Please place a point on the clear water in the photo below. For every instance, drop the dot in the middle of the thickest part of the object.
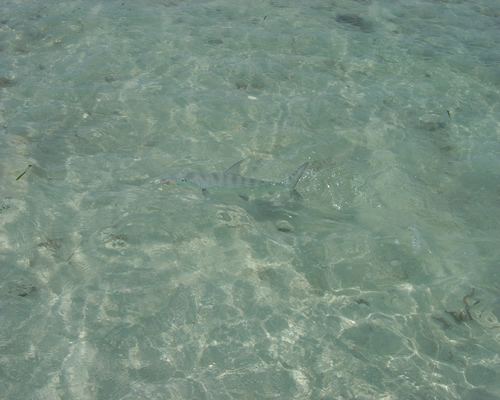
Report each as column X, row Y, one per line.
column 382, row 283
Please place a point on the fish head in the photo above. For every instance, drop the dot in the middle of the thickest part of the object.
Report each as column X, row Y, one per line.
column 187, row 180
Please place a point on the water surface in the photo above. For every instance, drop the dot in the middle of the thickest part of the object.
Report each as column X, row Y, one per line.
column 383, row 282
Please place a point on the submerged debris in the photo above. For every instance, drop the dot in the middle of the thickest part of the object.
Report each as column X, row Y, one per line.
column 467, row 308
column 445, row 324
column 26, row 170
column 50, row 244
column 459, row 316
column 362, row 301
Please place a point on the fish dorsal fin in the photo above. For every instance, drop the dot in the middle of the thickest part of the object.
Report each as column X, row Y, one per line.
column 235, row 169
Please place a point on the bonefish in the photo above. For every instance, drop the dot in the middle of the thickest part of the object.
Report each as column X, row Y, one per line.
column 231, row 179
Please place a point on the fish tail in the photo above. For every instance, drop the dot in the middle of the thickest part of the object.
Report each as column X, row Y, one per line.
column 292, row 181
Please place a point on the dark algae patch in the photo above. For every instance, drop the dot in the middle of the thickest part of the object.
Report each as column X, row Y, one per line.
column 5, row 82
column 18, row 289
column 354, row 21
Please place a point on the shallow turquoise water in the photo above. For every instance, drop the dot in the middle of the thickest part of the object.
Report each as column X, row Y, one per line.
column 115, row 286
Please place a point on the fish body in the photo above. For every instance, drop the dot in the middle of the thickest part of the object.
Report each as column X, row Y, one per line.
column 231, row 179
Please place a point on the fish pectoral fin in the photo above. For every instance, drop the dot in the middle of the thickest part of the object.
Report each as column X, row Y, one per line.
column 235, row 169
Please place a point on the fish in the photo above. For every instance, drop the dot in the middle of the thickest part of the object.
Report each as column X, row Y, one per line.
column 232, row 180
